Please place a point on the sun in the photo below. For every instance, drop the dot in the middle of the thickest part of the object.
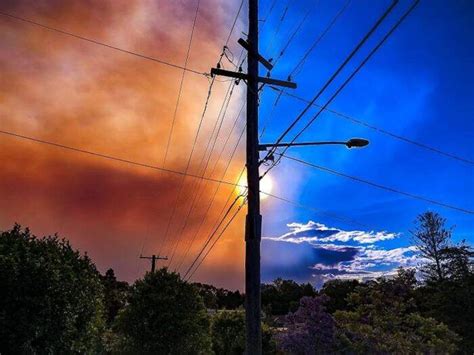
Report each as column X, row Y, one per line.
column 266, row 186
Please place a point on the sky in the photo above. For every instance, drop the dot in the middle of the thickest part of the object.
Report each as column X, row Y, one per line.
column 61, row 89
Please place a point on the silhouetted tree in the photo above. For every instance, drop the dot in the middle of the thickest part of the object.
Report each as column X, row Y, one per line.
column 338, row 290
column 50, row 296
column 165, row 315
column 115, row 295
column 431, row 237
column 385, row 320
column 228, row 332
column 283, row 296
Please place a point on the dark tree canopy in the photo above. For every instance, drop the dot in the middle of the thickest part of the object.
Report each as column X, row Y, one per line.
column 50, row 296
column 165, row 315
column 115, row 295
column 283, row 296
column 385, row 320
column 219, row 298
column 338, row 291
column 228, row 332
column 431, row 238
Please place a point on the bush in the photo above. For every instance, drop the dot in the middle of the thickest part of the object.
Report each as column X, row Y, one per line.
column 165, row 315
column 50, row 296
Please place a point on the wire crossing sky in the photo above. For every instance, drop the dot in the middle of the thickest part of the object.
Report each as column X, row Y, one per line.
column 72, row 78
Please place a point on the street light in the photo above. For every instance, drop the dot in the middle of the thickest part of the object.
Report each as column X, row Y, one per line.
column 351, row 143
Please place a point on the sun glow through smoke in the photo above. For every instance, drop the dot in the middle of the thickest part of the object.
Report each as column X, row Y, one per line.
column 266, row 186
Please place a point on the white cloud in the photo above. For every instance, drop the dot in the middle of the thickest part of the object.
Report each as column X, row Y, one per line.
column 349, row 254
column 313, row 232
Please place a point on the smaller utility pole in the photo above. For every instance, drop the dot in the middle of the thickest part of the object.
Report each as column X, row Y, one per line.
column 153, row 259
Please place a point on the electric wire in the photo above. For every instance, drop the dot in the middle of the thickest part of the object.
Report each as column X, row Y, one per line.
column 377, row 185
column 212, row 200
column 200, row 124
column 217, row 239
column 90, row 40
column 220, row 121
column 334, row 75
column 212, row 234
column 378, row 129
column 113, row 158
column 300, row 64
column 144, row 165
column 294, row 33
column 222, row 115
column 180, row 90
column 344, row 84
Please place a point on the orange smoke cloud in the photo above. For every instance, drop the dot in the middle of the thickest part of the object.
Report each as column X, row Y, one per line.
column 58, row 88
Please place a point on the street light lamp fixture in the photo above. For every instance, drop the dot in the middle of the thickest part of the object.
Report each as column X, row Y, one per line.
column 351, row 143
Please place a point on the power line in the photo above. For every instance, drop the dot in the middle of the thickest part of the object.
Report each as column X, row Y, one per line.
column 222, row 114
column 217, row 239
column 211, row 202
column 319, row 38
column 280, row 22
column 344, row 84
column 234, row 23
column 313, row 46
column 336, row 73
column 211, row 235
column 144, row 165
column 293, row 35
column 202, row 117
column 110, row 157
column 170, row 135
column 90, row 40
column 379, row 186
column 225, row 106
column 377, row 129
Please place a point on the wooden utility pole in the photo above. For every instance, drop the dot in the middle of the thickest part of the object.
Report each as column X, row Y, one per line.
column 253, row 223
column 153, row 259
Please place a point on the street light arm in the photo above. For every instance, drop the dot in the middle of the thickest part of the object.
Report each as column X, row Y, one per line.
column 351, row 143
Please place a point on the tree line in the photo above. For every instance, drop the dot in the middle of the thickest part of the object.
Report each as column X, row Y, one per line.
column 54, row 300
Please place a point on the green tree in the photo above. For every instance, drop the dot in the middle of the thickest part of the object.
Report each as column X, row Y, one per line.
column 431, row 238
column 228, row 334
column 115, row 295
column 283, row 296
column 337, row 291
column 451, row 300
column 165, row 315
column 384, row 319
column 50, row 296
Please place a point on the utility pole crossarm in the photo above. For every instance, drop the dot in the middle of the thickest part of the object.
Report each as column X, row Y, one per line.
column 153, row 259
column 261, row 79
column 261, row 59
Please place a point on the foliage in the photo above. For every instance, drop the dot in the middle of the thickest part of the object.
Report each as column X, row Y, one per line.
column 115, row 295
column 219, row 298
column 448, row 292
column 50, row 296
column 228, row 332
column 165, row 315
column 310, row 330
column 384, row 320
column 337, row 291
column 431, row 237
column 451, row 300
column 283, row 296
